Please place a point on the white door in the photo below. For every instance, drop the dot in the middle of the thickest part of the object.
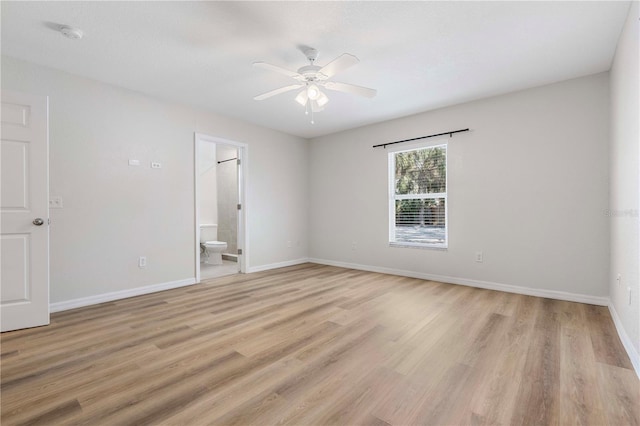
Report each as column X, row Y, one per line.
column 24, row 206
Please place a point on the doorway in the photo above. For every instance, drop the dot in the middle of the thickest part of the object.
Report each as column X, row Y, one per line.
column 220, row 210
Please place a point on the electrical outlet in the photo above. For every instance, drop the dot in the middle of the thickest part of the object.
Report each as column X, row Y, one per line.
column 619, row 279
column 479, row 257
column 156, row 165
column 142, row 262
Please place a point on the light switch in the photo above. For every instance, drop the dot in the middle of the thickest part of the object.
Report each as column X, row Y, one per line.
column 55, row 203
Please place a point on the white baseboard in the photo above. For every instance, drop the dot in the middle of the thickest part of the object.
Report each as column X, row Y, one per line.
column 550, row 294
column 277, row 265
column 626, row 341
column 138, row 291
column 116, row 295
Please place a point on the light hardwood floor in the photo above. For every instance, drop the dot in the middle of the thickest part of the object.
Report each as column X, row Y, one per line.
column 312, row 345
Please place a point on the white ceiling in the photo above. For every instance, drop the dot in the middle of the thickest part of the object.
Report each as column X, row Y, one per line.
column 418, row 55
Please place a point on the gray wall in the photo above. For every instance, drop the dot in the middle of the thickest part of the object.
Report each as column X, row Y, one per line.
column 528, row 186
column 625, row 175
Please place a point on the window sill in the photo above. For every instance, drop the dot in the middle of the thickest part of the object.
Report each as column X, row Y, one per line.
column 441, row 247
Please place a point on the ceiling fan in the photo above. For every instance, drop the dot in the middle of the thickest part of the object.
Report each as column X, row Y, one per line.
column 312, row 78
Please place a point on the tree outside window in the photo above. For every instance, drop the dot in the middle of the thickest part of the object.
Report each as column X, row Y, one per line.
column 419, row 211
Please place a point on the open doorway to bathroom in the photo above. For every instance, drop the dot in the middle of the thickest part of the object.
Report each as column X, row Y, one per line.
column 219, row 204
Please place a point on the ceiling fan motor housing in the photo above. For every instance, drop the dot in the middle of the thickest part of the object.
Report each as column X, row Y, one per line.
column 310, row 73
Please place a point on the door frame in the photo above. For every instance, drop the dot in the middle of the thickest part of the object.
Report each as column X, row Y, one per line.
column 243, row 240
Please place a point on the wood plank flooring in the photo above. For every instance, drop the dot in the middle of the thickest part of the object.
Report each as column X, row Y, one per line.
column 319, row 345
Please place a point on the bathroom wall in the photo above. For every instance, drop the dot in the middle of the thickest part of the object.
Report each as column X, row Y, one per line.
column 227, row 181
column 208, row 189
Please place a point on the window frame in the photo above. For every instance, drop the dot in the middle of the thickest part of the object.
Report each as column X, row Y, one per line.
column 393, row 197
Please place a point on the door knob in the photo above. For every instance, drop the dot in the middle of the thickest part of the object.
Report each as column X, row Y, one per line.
column 38, row 221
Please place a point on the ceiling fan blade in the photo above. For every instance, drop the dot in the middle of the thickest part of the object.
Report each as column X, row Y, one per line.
column 277, row 91
column 351, row 88
column 277, row 69
column 341, row 63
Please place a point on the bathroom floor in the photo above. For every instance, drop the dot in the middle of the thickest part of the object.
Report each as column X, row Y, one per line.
column 213, row 271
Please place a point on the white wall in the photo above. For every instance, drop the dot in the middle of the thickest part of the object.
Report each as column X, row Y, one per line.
column 208, row 185
column 114, row 213
column 528, row 186
column 625, row 173
column 227, row 177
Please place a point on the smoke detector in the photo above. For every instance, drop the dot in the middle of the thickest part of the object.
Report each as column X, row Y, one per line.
column 70, row 32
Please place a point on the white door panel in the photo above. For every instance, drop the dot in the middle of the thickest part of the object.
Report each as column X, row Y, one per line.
column 24, row 194
column 15, row 185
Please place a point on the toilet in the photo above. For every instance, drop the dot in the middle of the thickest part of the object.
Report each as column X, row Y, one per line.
column 213, row 249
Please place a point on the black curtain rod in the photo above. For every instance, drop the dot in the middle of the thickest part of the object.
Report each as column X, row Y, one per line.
column 384, row 145
column 230, row 159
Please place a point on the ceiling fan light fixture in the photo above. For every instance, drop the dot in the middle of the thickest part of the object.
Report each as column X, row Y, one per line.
column 313, row 92
column 322, row 100
column 302, row 97
column 315, row 106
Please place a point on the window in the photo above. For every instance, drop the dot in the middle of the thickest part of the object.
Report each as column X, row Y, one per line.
column 418, row 197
